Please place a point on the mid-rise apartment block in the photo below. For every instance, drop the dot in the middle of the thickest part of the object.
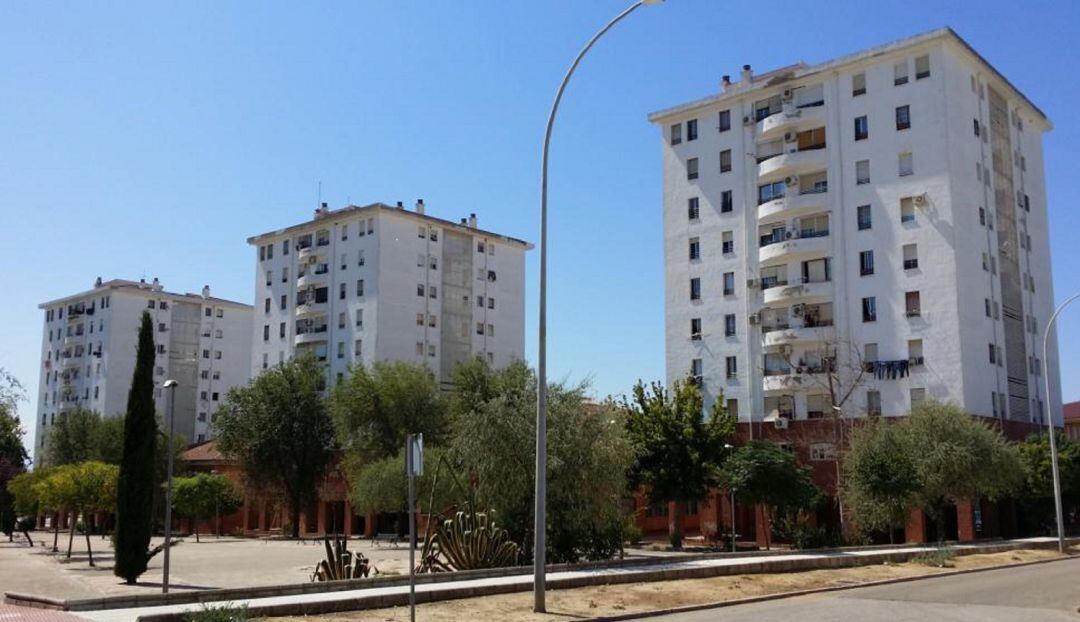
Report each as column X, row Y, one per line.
column 877, row 222
column 88, row 353
column 362, row 284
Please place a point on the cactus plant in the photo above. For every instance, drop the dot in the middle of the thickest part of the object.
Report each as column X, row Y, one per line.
column 467, row 541
column 340, row 563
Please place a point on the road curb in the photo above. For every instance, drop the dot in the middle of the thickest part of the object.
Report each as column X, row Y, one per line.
column 818, row 590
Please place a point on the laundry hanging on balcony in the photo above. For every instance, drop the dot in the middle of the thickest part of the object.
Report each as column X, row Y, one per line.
column 890, row 370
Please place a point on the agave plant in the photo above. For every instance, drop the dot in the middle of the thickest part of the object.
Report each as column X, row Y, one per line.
column 340, row 563
column 466, row 541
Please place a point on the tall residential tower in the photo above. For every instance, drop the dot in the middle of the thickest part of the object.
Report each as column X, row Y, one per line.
column 883, row 216
column 88, row 353
column 363, row 284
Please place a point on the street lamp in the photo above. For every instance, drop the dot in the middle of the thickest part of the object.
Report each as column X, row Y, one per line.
column 539, row 524
column 171, row 386
column 1050, row 424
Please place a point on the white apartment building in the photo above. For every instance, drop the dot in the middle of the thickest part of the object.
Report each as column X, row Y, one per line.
column 363, row 284
column 88, row 352
column 884, row 211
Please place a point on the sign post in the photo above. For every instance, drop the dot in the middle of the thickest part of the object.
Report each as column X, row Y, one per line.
column 414, row 465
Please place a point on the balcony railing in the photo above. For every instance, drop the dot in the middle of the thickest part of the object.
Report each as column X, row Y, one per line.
column 778, row 237
column 911, row 264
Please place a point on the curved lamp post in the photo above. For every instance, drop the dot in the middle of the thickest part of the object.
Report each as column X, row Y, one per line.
column 1050, row 425
column 169, row 385
column 540, row 522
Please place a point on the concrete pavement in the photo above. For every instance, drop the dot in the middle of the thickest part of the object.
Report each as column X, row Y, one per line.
column 1047, row 592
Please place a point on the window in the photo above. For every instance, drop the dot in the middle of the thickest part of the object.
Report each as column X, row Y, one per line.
column 862, row 128
column 869, row 309
column 912, row 306
column 903, row 117
column 281, row 334
column 269, row 280
column 345, row 232
column 360, row 287
column 911, row 256
column 866, row 263
column 821, row 451
column 360, row 257
column 726, row 202
column 357, row 348
column 344, row 259
column 725, row 160
column 858, row 84
column 342, row 318
column 695, row 329
column 862, row 172
column 918, row 396
column 873, row 403
column 982, row 216
column 905, row 164
column 729, row 283
column 285, row 274
column 695, row 288
column 922, row 67
column 676, row 133
column 262, row 253
column 432, row 293
column 724, row 122
column 692, row 168
column 693, row 211
column 341, row 349
column 479, row 326
column 729, row 325
column 691, row 130
column 865, row 220
column 695, row 249
column 150, row 303
column 870, row 353
column 266, row 306
column 421, row 232
column 697, row 370
column 284, row 301
column 769, row 192
column 420, row 290
column 900, row 73
column 731, row 367
column 907, row 210
column 987, row 306
column 727, row 243
column 266, row 337
column 419, row 319
column 285, row 247
column 341, row 291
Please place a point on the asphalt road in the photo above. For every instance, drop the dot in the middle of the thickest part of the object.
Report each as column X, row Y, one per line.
column 1048, row 592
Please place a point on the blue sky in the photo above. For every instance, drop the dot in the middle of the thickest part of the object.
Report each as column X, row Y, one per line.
column 150, row 139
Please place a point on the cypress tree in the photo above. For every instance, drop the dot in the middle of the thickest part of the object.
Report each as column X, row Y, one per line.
column 135, row 493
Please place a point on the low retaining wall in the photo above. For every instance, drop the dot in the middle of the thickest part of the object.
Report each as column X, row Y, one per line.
column 835, row 558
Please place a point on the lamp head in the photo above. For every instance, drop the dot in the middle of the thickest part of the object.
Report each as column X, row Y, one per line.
column 652, row 1
column 169, row 384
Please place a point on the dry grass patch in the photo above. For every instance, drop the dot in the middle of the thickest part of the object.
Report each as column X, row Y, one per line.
column 601, row 600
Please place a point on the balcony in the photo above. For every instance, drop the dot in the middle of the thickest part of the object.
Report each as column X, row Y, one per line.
column 784, row 165
column 313, row 276
column 776, row 336
column 803, row 245
column 311, row 309
column 305, row 253
column 782, row 293
column 791, row 119
column 782, row 382
column 311, row 334
column 893, row 369
column 70, row 340
column 795, row 204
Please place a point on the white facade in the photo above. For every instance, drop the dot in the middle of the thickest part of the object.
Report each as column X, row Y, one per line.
column 88, row 353
column 364, row 284
column 772, row 183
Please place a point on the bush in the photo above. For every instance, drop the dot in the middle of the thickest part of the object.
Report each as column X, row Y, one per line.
column 219, row 613
column 940, row 557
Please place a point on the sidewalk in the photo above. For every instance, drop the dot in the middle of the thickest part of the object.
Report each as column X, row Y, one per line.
column 697, row 566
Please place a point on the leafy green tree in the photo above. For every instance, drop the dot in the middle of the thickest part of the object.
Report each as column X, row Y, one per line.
column 1037, row 492
column 382, row 486
column 881, row 478
column 957, row 458
column 84, row 488
column 375, row 408
column 26, row 501
column 678, row 448
column 203, row 496
column 588, row 457
column 135, row 492
column 13, row 456
column 279, row 431
column 48, row 497
column 764, row 474
column 81, row 434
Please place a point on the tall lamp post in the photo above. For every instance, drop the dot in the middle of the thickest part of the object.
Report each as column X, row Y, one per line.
column 1050, row 424
column 540, row 519
column 170, row 385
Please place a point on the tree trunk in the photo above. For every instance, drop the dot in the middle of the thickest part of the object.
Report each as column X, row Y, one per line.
column 195, row 522
column 294, row 514
column 71, row 534
column 89, row 552
column 56, row 532
column 766, row 515
column 675, row 527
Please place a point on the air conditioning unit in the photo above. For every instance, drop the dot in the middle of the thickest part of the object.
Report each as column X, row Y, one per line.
column 920, row 200
column 754, row 318
column 789, row 137
column 311, row 260
column 748, row 120
column 787, row 95
column 786, row 349
column 791, row 180
column 797, row 310
column 751, row 283
column 781, row 423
